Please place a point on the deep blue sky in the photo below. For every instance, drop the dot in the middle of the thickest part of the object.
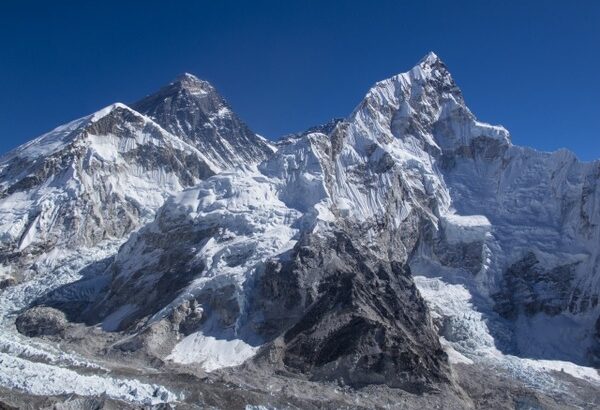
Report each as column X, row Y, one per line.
column 533, row 66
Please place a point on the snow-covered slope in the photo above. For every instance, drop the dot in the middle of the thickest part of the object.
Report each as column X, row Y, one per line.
column 303, row 258
column 94, row 179
column 71, row 197
column 426, row 184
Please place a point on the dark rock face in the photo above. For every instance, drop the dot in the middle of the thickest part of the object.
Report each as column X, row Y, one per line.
column 586, row 208
column 150, row 295
column 337, row 314
column 582, row 301
column 459, row 255
column 594, row 352
column 187, row 317
column 6, row 281
column 193, row 110
column 527, row 288
column 41, row 321
column 480, row 148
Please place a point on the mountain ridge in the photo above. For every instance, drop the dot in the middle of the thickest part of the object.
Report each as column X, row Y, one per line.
column 403, row 242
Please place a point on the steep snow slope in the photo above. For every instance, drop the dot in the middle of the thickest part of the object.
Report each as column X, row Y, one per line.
column 465, row 332
column 94, row 179
column 222, row 228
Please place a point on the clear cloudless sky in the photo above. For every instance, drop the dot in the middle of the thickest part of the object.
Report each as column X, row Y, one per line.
column 532, row 66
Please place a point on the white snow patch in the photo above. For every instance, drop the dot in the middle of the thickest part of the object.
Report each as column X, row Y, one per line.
column 587, row 373
column 42, row 379
column 211, row 353
column 454, row 356
column 461, row 228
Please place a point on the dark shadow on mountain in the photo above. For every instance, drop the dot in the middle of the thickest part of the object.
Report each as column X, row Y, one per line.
column 75, row 297
column 525, row 290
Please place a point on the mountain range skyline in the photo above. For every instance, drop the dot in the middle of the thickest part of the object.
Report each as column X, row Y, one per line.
column 285, row 67
column 299, row 205
column 190, row 79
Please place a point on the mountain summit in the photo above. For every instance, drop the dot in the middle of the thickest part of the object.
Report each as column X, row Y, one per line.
column 192, row 109
column 408, row 254
column 193, row 83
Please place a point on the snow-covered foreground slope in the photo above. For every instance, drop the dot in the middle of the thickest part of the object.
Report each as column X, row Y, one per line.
column 386, row 248
column 47, row 380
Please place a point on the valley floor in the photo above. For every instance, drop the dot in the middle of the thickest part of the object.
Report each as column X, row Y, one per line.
column 74, row 374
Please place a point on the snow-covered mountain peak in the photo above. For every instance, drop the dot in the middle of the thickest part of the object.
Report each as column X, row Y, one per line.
column 422, row 106
column 190, row 83
column 433, row 69
column 189, row 77
column 193, row 110
column 107, row 110
column 302, row 258
column 95, row 178
column 430, row 71
column 432, row 62
column 430, row 58
column 59, row 137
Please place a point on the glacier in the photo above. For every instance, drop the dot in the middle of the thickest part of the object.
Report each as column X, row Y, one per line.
column 408, row 229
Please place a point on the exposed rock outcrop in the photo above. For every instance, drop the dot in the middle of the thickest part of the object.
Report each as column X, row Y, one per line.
column 42, row 321
column 337, row 313
column 530, row 289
